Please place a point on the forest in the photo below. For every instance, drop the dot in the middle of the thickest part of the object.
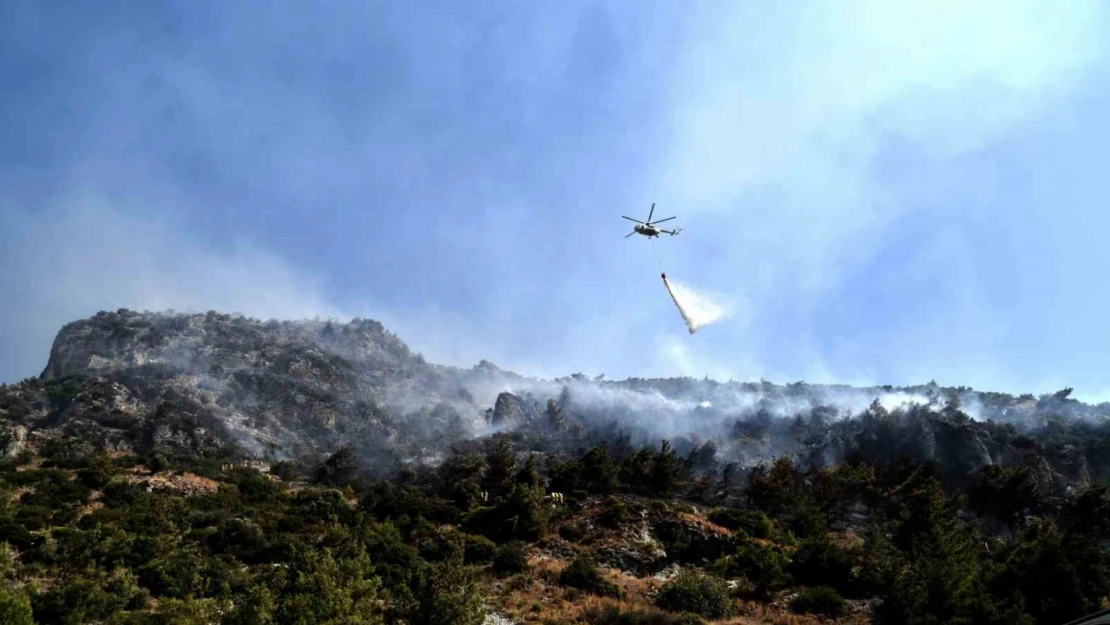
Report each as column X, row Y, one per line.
column 182, row 539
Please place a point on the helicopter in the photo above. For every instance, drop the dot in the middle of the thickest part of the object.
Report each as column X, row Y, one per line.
column 648, row 228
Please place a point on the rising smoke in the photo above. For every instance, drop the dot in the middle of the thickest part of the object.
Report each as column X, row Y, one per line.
column 330, row 384
column 697, row 309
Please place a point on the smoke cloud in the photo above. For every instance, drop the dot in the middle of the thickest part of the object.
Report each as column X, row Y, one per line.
column 697, row 309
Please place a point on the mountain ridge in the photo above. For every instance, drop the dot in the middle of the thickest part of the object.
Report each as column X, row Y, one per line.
column 277, row 390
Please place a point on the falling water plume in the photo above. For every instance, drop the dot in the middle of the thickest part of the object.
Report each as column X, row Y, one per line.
column 697, row 310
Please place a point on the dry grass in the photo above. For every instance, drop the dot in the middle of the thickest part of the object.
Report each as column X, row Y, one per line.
column 779, row 613
column 19, row 492
column 846, row 540
column 536, row 597
column 770, row 544
column 705, row 524
column 187, row 483
column 35, row 463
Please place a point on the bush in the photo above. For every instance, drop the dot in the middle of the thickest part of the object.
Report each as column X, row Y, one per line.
column 582, row 574
column 522, row 515
column 157, row 463
column 687, row 544
column 818, row 562
column 479, row 549
column 764, row 567
column 752, row 522
column 614, row 514
column 510, row 559
column 15, row 608
column 574, row 531
column 697, row 593
column 447, row 595
column 821, row 600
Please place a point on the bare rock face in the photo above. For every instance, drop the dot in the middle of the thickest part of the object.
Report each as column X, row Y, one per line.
column 515, row 409
column 16, row 440
column 638, row 552
column 508, row 408
column 138, row 381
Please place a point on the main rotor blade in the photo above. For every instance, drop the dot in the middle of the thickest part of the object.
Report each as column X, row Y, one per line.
column 659, row 221
column 630, row 234
column 652, row 212
column 635, row 220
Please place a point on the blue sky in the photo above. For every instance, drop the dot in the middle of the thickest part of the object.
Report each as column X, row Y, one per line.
column 881, row 192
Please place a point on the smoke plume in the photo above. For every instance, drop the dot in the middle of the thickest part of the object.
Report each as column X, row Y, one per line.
column 697, row 309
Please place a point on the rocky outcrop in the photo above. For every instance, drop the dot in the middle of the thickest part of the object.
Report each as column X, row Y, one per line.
column 138, row 381
column 181, row 483
column 15, row 439
column 508, row 409
column 515, row 409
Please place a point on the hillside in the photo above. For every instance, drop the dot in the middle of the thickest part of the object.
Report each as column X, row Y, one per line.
column 299, row 390
column 189, row 463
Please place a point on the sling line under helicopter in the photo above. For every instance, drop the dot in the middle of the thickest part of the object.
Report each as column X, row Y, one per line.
column 656, row 250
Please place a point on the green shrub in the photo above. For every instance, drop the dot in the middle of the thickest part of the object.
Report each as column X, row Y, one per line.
column 157, row 463
column 697, row 593
column 479, row 549
column 521, row 515
column 614, row 514
column 510, row 559
column 93, row 477
column 582, row 574
column 818, row 562
column 15, row 608
column 448, row 595
column 88, row 596
column 822, row 600
column 684, row 543
column 764, row 567
column 574, row 531
column 752, row 522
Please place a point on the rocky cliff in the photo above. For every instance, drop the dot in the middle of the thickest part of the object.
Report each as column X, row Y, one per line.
column 128, row 380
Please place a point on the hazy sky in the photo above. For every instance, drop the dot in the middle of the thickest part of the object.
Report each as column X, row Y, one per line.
column 882, row 192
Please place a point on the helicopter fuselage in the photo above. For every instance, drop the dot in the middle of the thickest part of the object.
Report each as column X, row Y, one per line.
column 648, row 228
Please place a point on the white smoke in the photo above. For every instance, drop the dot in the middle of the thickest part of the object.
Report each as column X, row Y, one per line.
column 891, row 401
column 697, row 309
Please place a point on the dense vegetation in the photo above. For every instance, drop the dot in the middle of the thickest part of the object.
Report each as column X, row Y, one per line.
column 85, row 540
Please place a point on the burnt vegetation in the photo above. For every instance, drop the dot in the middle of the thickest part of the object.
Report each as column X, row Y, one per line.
column 124, row 497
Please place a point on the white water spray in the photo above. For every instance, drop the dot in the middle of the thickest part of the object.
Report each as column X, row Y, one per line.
column 697, row 309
